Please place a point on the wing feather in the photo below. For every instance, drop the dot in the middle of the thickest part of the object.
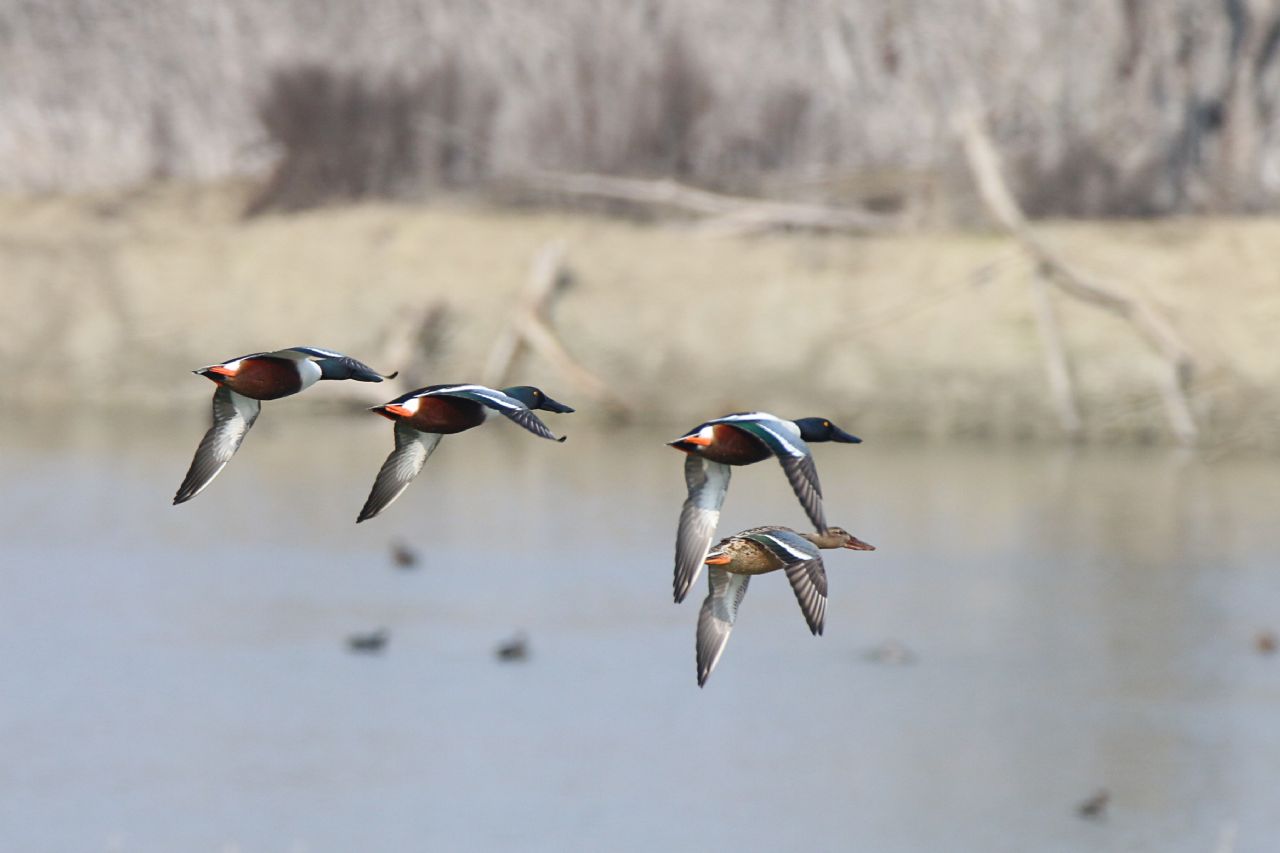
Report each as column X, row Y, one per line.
column 413, row 448
column 803, row 476
column 233, row 415
column 708, row 482
column 715, row 620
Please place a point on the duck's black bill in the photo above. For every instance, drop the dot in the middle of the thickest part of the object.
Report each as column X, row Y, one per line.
column 553, row 406
column 366, row 374
column 840, row 435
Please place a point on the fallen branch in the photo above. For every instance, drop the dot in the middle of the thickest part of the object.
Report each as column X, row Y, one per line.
column 984, row 164
column 724, row 212
column 1055, row 356
column 530, row 327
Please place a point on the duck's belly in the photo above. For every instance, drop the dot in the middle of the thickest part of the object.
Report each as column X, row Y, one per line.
column 266, row 379
column 732, row 446
column 446, row 415
column 741, row 568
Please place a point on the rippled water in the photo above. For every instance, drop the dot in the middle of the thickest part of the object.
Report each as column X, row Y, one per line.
column 176, row 678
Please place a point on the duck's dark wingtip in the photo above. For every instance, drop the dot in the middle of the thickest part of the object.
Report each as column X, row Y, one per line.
column 561, row 439
column 392, row 375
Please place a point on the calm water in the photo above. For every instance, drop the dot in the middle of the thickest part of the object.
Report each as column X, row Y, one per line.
column 176, row 678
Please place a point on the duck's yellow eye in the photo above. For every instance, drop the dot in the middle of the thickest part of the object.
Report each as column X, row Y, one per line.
column 826, row 423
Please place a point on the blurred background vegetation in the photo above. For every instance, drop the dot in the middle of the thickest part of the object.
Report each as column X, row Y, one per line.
column 799, row 119
column 1105, row 107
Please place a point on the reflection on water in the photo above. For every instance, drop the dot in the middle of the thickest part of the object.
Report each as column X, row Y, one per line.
column 177, row 678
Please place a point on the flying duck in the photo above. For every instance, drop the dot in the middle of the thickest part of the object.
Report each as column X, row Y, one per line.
column 421, row 417
column 755, row 552
column 243, row 383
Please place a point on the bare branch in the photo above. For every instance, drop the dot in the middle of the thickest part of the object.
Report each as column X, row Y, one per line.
column 727, row 212
column 530, row 327
column 984, row 164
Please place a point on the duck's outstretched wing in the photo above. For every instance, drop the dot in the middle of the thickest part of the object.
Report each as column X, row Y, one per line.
column 715, row 621
column 802, row 561
column 500, row 402
column 803, row 476
column 707, row 481
column 335, row 365
column 233, row 414
column 783, row 439
column 397, row 472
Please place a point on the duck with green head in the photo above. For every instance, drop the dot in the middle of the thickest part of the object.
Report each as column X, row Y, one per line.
column 423, row 416
column 243, row 383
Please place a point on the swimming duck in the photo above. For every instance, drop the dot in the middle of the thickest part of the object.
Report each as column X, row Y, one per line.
column 742, row 439
column 423, row 416
column 243, row 383
column 755, row 552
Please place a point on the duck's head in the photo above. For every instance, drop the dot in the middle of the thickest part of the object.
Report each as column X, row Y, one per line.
column 534, row 398
column 822, row 429
column 838, row 537
column 398, row 408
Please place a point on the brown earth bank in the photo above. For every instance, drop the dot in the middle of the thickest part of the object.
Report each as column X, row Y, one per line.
column 110, row 299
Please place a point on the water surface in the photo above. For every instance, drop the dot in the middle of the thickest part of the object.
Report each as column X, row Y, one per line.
column 176, row 678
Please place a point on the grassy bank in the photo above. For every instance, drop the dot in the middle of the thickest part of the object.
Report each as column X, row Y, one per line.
column 111, row 299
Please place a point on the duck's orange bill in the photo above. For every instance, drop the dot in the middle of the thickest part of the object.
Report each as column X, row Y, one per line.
column 696, row 439
column 719, row 560
column 222, row 371
column 397, row 410
column 856, row 544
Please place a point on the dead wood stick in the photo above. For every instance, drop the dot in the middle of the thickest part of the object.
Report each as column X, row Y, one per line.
column 1055, row 357
column 530, row 328
column 729, row 212
column 984, row 164
column 546, row 276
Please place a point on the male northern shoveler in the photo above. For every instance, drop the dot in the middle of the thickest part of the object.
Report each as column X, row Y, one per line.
column 246, row 381
column 755, row 552
column 742, row 439
column 423, row 416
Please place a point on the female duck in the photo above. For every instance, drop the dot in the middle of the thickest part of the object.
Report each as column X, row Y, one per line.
column 756, row 552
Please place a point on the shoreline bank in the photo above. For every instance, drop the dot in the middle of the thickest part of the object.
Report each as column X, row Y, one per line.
column 112, row 299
